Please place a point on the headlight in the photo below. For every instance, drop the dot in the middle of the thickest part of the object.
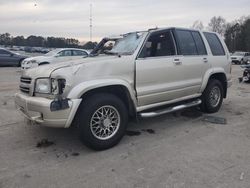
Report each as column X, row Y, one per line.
column 57, row 86
column 54, row 86
column 50, row 86
column 43, row 85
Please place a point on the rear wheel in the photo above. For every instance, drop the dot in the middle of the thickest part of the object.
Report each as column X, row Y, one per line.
column 103, row 121
column 212, row 97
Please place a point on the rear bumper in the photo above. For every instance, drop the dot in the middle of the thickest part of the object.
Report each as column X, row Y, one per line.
column 37, row 109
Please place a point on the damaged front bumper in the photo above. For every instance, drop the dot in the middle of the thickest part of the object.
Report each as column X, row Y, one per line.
column 38, row 110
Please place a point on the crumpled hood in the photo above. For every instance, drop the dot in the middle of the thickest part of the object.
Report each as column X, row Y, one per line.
column 46, row 70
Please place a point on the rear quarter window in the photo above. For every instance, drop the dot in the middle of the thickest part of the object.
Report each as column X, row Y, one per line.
column 215, row 44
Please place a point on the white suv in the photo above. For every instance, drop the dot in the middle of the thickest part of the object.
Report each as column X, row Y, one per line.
column 54, row 56
column 240, row 57
column 145, row 74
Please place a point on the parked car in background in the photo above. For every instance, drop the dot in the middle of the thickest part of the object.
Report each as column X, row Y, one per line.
column 240, row 57
column 145, row 74
column 8, row 58
column 55, row 56
column 246, row 74
column 246, row 59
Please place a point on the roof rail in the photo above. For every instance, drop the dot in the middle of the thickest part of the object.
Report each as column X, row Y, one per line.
column 152, row 29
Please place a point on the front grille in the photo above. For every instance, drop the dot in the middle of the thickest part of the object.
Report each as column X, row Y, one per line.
column 25, row 80
column 25, row 89
column 25, row 84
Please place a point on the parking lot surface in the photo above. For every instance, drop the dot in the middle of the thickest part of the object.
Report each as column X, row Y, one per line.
column 179, row 150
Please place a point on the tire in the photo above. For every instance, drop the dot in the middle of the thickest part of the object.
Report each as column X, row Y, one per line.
column 94, row 120
column 212, row 97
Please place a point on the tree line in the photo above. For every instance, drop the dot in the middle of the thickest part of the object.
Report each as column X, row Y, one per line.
column 38, row 41
column 236, row 33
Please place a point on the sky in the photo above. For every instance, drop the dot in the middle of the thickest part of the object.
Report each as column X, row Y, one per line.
column 70, row 18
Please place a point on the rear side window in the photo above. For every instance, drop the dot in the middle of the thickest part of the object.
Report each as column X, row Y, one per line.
column 215, row 44
column 201, row 49
column 186, row 43
column 79, row 53
column 65, row 53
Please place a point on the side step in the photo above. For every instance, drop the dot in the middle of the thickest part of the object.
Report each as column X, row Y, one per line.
column 170, row 109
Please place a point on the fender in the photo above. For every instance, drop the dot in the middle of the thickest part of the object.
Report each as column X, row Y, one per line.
column 208, row 74
column 77, row 91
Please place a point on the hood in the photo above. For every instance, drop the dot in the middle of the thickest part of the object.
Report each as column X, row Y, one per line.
column 37, row 58
column 46, row 70
column 236, row 56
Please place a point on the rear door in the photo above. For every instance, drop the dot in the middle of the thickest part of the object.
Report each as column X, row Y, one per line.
column 194, row 60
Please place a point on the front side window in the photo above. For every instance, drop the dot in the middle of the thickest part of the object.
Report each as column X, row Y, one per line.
column 186, row 41
column 215, row 44
column 158, row 44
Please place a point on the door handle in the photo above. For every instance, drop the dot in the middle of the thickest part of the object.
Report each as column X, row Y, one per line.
column 177, row 62
column 205, row 60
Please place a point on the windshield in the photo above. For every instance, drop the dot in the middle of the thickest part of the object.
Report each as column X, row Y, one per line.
column 124, row 45
column 239, row 53
column 127, row 45
column 53, row 52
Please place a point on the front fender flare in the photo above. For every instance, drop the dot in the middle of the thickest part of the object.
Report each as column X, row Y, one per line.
column 77, row 91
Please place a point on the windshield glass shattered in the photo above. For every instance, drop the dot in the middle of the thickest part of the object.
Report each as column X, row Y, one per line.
column 123, row 45
column 127, row 45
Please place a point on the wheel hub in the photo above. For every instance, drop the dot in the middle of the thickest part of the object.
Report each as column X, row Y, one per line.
column 105, row 122
column 215, row 96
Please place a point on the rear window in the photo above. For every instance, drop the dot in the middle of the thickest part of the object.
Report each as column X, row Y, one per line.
column 215, row 44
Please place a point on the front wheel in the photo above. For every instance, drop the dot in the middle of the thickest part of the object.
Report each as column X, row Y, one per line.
column 103, row 121
column 212, row 97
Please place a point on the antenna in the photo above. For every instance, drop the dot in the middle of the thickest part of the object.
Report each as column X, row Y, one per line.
column 90, row 23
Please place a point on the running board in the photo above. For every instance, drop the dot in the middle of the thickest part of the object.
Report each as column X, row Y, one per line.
column 170, row 109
